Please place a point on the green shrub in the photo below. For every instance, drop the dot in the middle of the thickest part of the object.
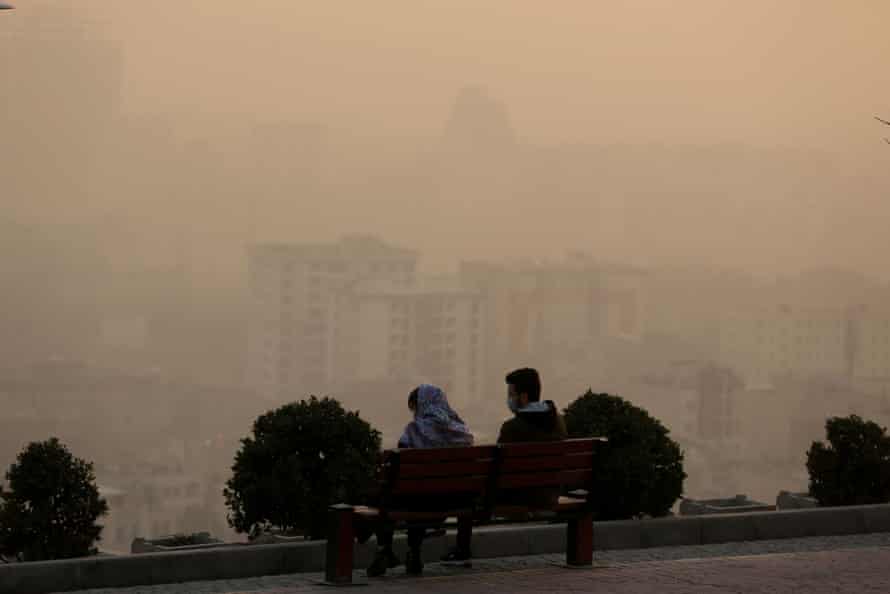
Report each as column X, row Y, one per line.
column 300, row 459
column 51, row 507
column 854, row 468
column 640, row 471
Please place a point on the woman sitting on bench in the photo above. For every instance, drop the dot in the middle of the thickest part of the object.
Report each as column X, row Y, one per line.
column 435, row 425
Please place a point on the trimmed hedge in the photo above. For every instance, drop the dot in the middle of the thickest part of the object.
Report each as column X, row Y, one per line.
column 300, row 459
column 641, row 470
column 854, row 466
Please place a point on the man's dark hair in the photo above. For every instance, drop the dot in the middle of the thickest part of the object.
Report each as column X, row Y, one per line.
column 526, row 381
column 412, row 398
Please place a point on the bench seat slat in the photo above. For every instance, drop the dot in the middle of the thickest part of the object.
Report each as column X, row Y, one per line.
column 570, row 503
column 564, row 505
column 398, row 515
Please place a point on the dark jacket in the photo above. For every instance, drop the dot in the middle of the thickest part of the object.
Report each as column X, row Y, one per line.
column 540, row 421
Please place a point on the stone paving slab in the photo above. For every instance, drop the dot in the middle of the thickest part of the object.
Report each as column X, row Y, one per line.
column 858, row 563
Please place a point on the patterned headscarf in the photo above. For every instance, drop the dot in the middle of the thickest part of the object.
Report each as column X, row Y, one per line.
column 435, row 424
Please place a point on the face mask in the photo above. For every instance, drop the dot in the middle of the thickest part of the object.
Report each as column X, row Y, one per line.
column 511, row 404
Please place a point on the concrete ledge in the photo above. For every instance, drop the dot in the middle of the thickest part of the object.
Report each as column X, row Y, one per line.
column 620, row 534
column 876, row 518
column 161, row 568
column 800, row 523
column 233, row 562
column 670, row 532
column 716, row 529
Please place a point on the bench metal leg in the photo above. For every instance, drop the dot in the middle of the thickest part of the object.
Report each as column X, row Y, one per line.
column 464, row 533
column 338, row 558
column 579, row 541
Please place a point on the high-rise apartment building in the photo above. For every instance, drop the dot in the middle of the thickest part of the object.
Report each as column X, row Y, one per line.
column 293, row 310
column 416, row 334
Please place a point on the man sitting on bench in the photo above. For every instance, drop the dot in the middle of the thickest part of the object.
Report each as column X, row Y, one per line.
column 533, row 421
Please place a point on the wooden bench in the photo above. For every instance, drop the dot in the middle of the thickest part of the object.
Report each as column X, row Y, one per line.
column 424, row 487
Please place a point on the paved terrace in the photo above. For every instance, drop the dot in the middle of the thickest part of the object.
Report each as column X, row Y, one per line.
column 858, row 563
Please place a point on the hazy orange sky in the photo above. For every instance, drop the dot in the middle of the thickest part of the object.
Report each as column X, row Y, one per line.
column 797, row 74
column 760, row 71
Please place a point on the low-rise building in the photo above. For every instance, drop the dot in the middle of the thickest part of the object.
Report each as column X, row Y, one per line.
column 762, row 344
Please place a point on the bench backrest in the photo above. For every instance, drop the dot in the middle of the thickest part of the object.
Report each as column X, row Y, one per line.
column 565, row 464
column 484, row 470
column 439, row 471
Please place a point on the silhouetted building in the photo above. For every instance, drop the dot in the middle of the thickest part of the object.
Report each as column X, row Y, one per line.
column 478, row 124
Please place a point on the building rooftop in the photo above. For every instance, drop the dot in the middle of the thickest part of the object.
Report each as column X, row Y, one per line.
column 349, row 246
